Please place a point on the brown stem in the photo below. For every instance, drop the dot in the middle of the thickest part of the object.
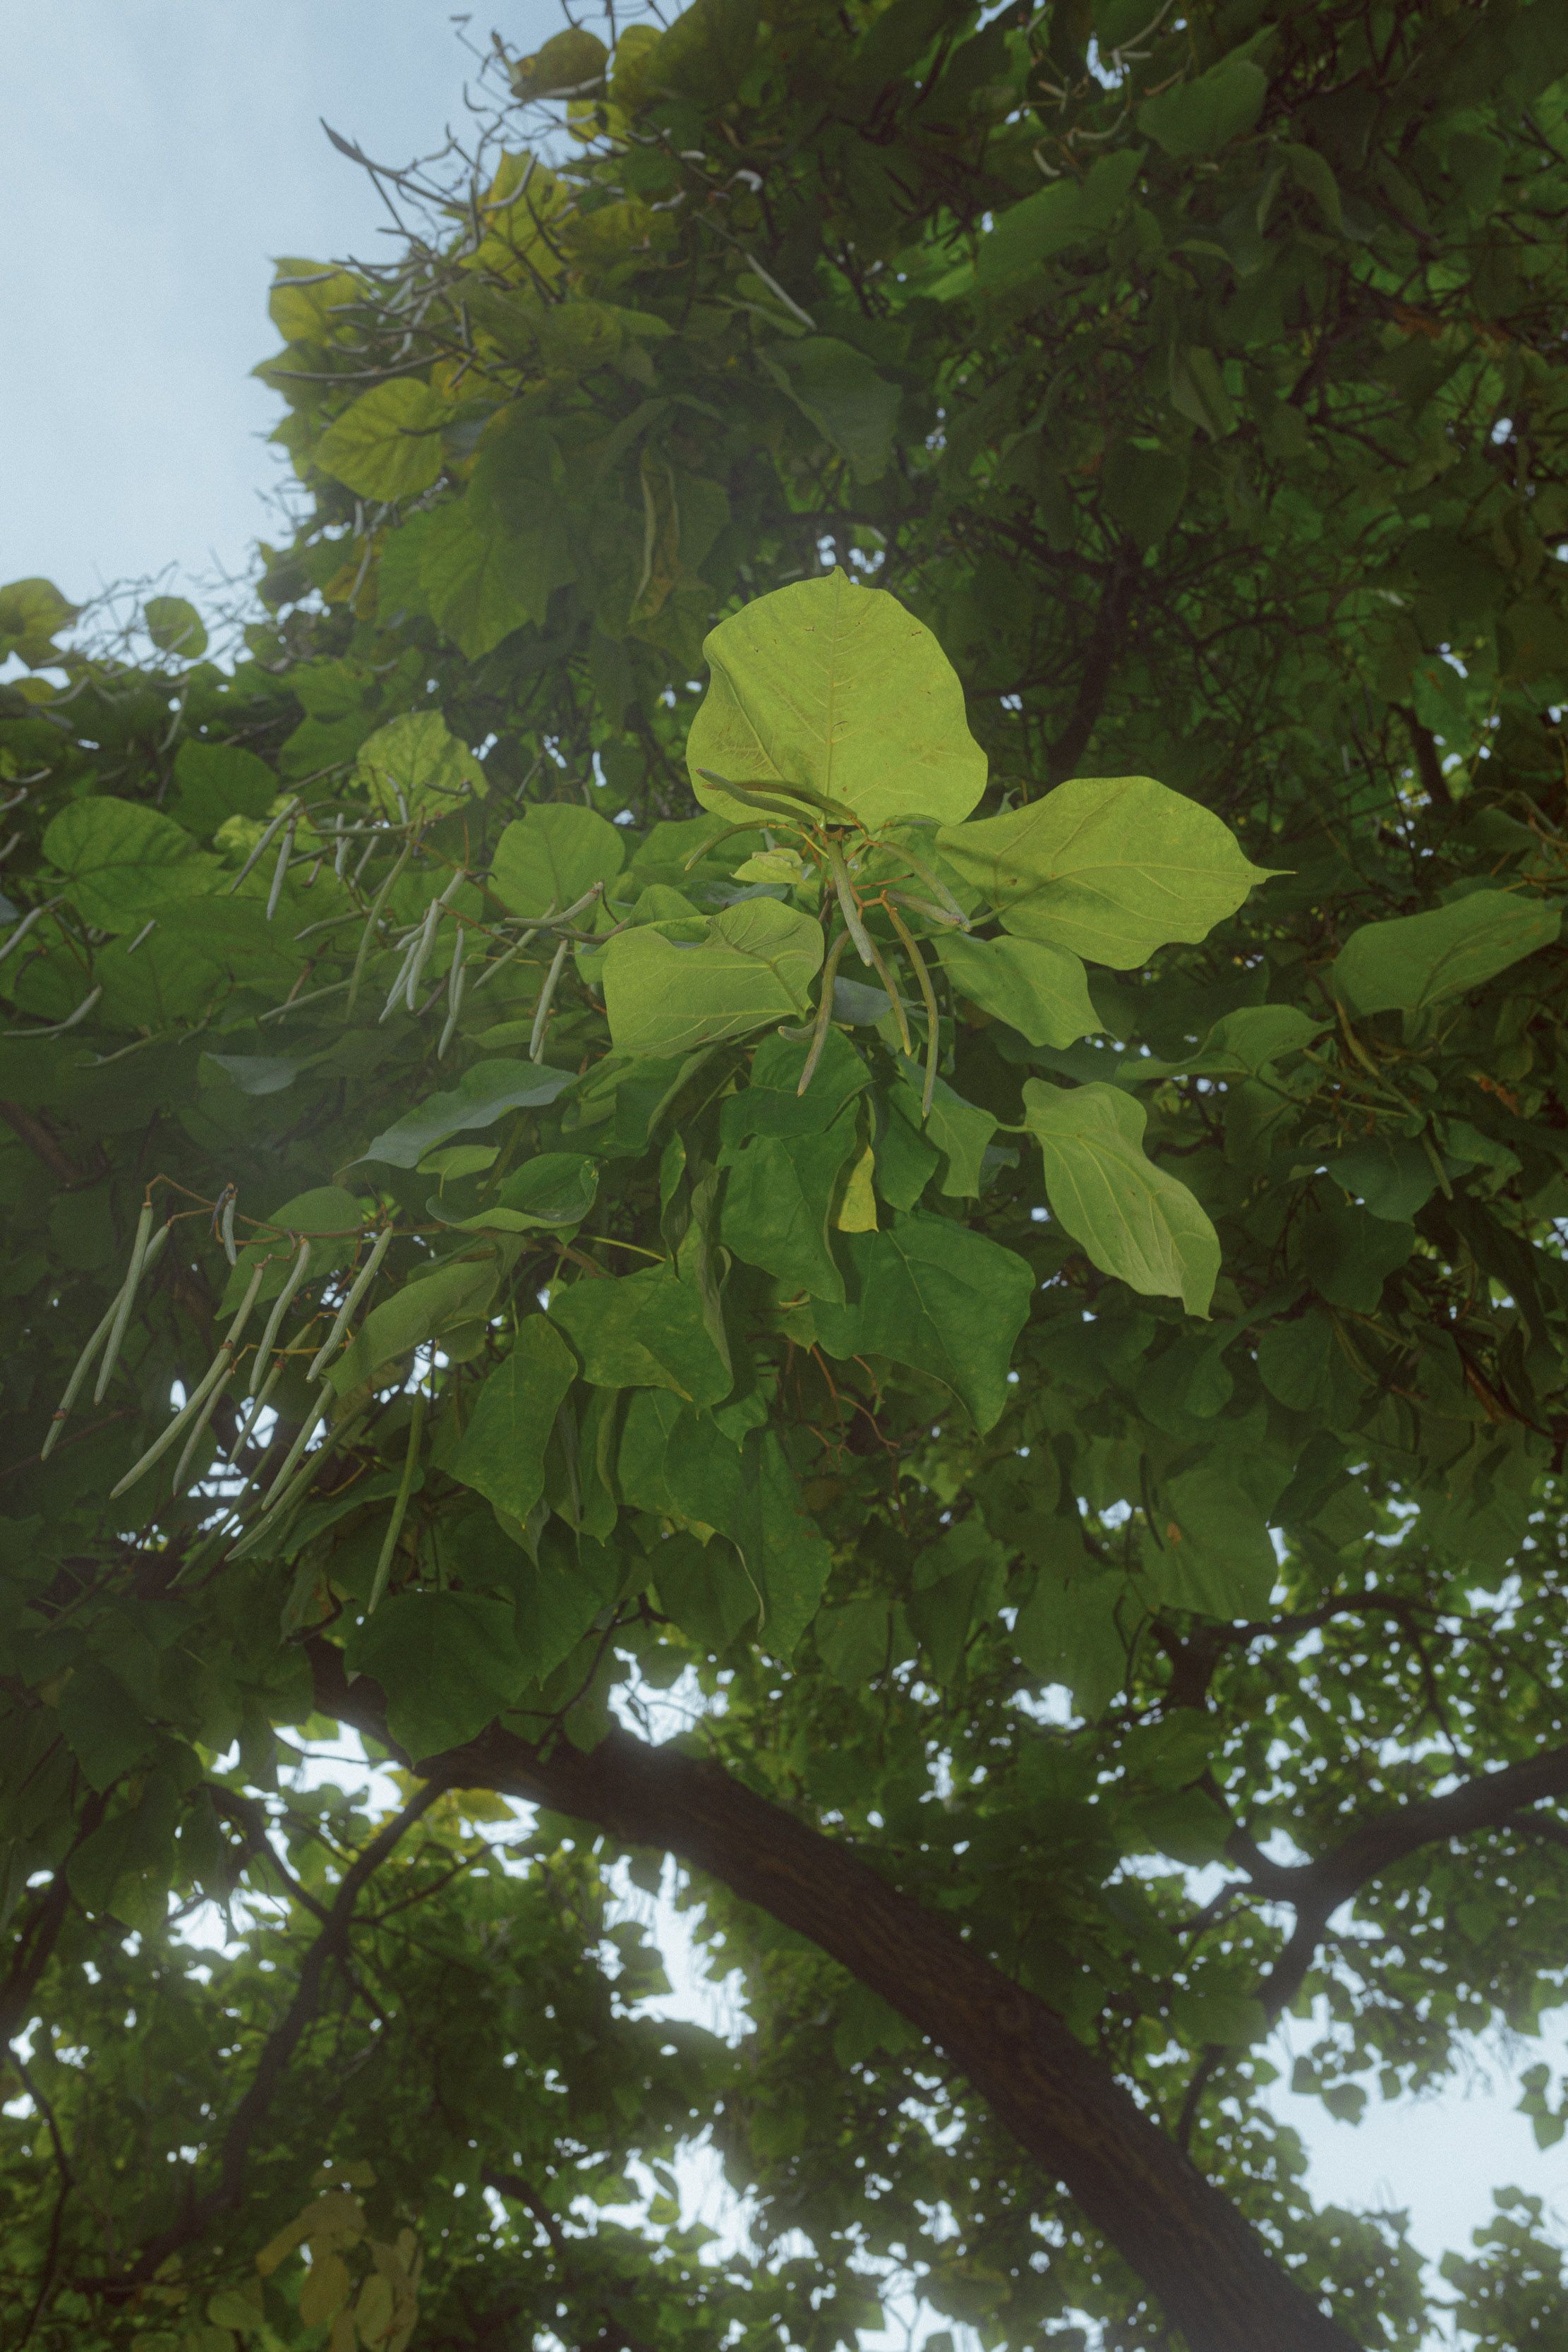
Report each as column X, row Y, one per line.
column 1105, row 642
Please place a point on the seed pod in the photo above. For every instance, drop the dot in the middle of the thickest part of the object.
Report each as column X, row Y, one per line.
column 329, row 1347
column 400, row 1508
column 33, row 915
column 226, row 1225
column 374, row 919
column 121, row 1312
column 85, row 1360
column 289, row 1491
column 258, row 1405
column 933, row 1024
column 285, row 852
column 546, row 996
column 501, row 961
column 422, row 952
column 177, row 1484
column 259, row 1384
column 146, row 931
column 823, row 1011
column 307, row 1428
column 58, row 1028
column 342, row 857
column 258, row 850
column 217, row 1371
column 454, row 994
column 850, row 911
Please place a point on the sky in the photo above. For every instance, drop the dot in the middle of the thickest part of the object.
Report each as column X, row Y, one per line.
column 158, row 155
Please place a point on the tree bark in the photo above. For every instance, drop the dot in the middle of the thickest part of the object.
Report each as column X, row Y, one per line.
column 1212, row 2273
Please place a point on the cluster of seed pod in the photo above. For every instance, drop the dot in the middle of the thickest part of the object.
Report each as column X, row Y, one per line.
column 279, row 1490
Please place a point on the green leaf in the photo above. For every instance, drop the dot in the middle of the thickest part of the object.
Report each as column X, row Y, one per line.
column 1040, row 990
column 175, row 626
column 1069, row 1631
column 448, row 1663
column 32, row 613
column 1416, row 960
column 556, row 1188
column 665, row 997
column 778, row 1203
column 1111, row 868
column 839, row 689
column 1199, row 117
column 484, row 1093
column 1239, row 1044
column 1231, row 2019
column 1144, row 489
column 1214, row 1553
column 960, row 1132
column 122, row 862
column 547, row 859
column 501, row 1454
column 419, row 756
column 1198, row 391
column 216, row 780
column 1055, row 219
column 749, row 1493
column 840, row 390
column 491, row 561
column 387, row 445
column 452, row 1295
column 643, row 1330
column 928, row 1292
column 1133, row 1220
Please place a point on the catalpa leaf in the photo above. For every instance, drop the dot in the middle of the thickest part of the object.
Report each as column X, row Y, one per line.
column 388, row 443
column 643, row 1330
column 550, row 858
column 416, row 758
column 837, row 688
column 448, row 1663
column 664, row 996
column 1133, row 1220
column 1109, row 866
column 928, row 1292
column 1042, row 991
column 1419, row 960
column 123, row 862
column 482, row 1096
column 501, row 1454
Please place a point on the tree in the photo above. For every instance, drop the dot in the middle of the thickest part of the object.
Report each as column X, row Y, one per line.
column 1011, row 1257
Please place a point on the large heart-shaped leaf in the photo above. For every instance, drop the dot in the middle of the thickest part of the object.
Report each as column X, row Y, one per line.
column 838, row 687
column 1132, row 1219
column 1110, row 866
column 1419, row 960
column 667, row 996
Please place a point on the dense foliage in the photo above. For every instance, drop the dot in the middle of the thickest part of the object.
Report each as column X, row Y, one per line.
column 616, row 1127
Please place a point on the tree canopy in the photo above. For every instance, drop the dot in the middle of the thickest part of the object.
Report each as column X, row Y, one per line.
column 846, row 1029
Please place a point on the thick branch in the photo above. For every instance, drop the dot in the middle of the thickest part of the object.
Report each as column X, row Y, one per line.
column 1105, row 643
column 38, row 1937
column 1063, row 2105
column 1318, row 1888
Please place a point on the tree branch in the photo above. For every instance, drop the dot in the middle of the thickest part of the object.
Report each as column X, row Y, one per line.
column 1099, row 664
column 1061, row 2103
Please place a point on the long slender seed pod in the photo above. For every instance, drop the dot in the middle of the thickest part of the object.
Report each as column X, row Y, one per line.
column 258, row 849
column 546, row 997
column 704, row 847
column 955, row 912
column 934, row 1021
column 576, row 908
column 217, row 1371
column 146, row 931
column 328, row 923
column 851, row 912
column 400, row 983
column 454, row 994
column 400, row 1508
column 374, row 919
column 285, row 852
column 307, row 1430
column 366, row 854
column 230, row 1248
column 58, row 1028
column 891, row 985
column 280, row 1306
column 121, row 1312
column 840, row 813
column 311, row 996
column 754, row 796
column 501, row 961
column 422, row 954
column 258, row 1405
column 177, row 1485
column 933, row 914
column 342, row 857
column 33, row 915
column 84, row 1362
column 287, row 1495
column 268, row 1451
column 366, row 1276
column 823, row 1011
